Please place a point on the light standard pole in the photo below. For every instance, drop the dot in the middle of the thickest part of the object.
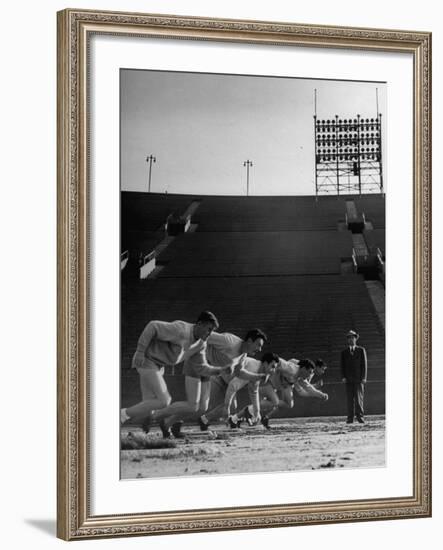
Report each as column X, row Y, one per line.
column 248, row 164
column 150, row 160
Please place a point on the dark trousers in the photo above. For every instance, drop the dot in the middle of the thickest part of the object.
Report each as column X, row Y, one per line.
column 354, row 395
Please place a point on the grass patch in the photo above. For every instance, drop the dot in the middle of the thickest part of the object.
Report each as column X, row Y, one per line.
column 133, row 441
column 163, row 449
column 191, row 453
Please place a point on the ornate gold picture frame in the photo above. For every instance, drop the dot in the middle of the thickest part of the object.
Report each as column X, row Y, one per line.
column 76, row 518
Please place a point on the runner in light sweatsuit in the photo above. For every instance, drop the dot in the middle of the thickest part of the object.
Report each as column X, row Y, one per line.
column 290, row 376
column 198, row 373
column 228, row 349
column 262, row 370
column 162, row 344
column 227, row 353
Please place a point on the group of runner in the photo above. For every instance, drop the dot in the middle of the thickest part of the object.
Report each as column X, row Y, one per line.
column 216, row 367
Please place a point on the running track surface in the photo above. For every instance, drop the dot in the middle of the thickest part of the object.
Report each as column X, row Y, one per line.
column 292, row 444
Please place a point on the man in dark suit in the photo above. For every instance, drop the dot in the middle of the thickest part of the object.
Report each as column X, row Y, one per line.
column 354, row 367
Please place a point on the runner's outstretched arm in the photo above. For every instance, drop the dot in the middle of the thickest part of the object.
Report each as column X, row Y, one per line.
column 305, row 389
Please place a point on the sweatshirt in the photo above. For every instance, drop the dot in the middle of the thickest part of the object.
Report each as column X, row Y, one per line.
column 254, row 368
column 287, row 374
column 163, row 343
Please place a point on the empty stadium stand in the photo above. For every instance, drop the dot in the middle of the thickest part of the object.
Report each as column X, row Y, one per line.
column 268, row 213
column 258, row 253
column 148, row 211
column 373, row 207
column 271, row 262
column 140, row 241
column 376, row 239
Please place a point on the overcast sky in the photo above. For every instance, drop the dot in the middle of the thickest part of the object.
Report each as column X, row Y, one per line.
column 202, row 127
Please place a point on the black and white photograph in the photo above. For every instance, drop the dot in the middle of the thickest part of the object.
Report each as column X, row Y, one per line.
column 252, row 274
column 199, row 200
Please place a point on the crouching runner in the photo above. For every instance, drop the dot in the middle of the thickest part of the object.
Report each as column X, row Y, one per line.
column 292, row 376
column 228, row 349
column 257, row 373
column 197, row 373
column 162, row 344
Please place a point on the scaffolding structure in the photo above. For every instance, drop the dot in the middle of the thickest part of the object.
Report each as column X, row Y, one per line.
column 348, row 155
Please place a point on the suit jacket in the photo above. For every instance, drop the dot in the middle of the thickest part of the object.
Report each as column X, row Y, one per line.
column 354, row 367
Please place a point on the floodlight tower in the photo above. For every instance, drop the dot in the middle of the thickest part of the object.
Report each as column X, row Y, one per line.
column 348, row 155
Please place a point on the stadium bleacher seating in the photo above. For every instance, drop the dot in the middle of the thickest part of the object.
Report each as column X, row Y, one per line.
column 268, row 213
column 376, row 239
column 282, row 275
column 148, row 211
column 141, row 241
column 257, row 253
column 373, row 206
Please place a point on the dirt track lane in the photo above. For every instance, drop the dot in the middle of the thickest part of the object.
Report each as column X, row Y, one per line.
column 292, row 444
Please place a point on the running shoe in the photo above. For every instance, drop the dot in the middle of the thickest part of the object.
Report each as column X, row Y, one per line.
column 247, row 416
column 146, row 424
column 123, row 416
column 265, row 422
column 176, row 430
column 204, row 426
column 165, row 431
column 233, row 425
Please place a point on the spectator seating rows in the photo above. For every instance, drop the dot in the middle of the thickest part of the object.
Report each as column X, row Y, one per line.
column 148, row 211
column 257, row 253
column 373, row 207
column 376, row 239
column 269, row 213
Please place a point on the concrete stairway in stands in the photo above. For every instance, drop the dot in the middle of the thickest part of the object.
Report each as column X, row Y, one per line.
column 359, row 244
column 161, row 247
column 377, row 294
